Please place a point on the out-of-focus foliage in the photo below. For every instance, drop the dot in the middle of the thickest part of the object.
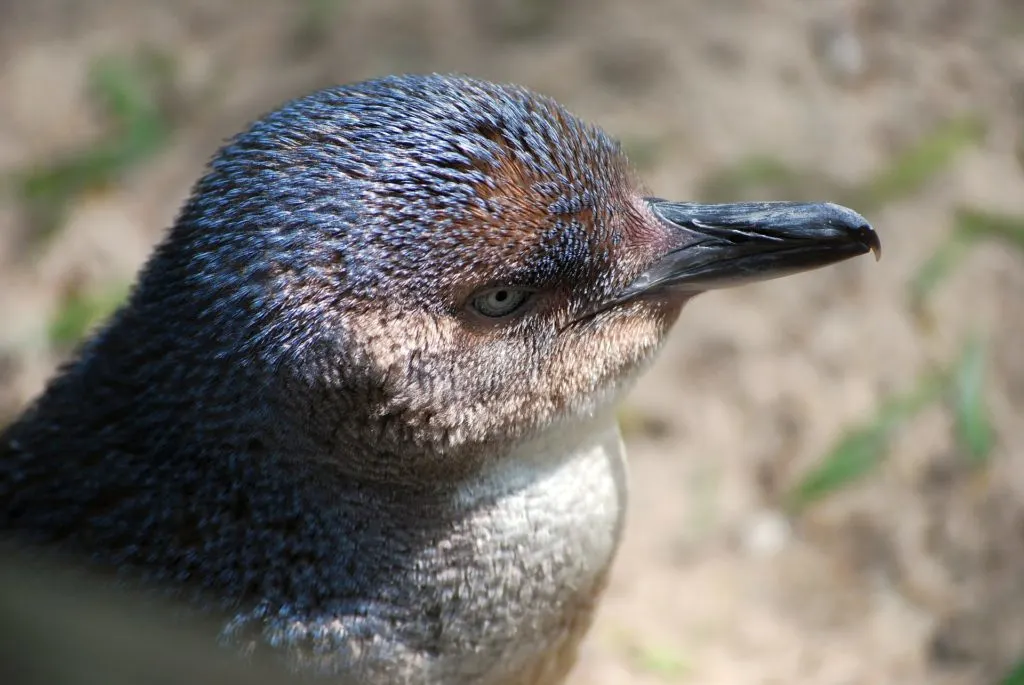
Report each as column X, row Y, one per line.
column 80, row 312
column 960, row 384
column 131, row 94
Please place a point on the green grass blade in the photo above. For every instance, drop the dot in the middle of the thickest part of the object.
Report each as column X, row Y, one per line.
column 862, row 449
column 911, row 170
column 663, row 662
column 938, row 268
column 973, row 428
column 81, row 312
column 972, row 226
column 752, row 177
column 1015, row 676
column 129, row 92
column 852, row 458
column 976, row 224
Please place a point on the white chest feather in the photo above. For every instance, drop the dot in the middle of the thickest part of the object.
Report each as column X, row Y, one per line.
column 544, row 544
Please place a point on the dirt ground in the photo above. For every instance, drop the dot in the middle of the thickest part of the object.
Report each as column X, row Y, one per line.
column 913, row 575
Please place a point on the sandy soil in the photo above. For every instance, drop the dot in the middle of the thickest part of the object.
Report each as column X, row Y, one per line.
column 911, row 576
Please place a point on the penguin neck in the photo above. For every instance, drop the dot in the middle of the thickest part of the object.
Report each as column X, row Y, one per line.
column 506, row 560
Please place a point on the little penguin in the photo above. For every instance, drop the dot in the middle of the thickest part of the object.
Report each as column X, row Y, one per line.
column 359, row 405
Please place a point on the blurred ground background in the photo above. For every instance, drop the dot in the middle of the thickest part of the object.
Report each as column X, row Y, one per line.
column 828, row 477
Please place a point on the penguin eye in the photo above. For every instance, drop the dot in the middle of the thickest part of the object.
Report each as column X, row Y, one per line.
column 499, row 302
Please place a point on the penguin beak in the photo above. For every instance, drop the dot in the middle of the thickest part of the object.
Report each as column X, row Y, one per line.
column 720, row 246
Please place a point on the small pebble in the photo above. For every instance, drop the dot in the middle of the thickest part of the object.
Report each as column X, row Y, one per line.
column 766, row 534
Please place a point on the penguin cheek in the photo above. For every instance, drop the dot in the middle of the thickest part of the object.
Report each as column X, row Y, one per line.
column 617, row 344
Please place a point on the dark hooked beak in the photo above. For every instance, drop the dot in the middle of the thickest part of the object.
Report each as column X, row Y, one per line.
column 719, row 246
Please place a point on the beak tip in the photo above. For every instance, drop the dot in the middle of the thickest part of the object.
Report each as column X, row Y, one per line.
column 870, row 240
column 859, row 227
